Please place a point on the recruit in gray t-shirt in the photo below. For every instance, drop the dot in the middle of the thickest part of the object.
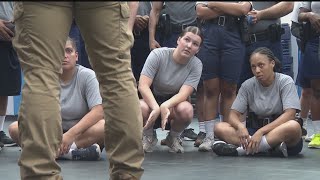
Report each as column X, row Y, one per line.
column 313, row 6
column 169, row 76
column 6, row 10
column 80, row 95
column 267, row 101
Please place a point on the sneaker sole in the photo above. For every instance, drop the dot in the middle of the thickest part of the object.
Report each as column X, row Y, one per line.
column 314, row 147
column 284, row 150
column 204, row 150
column 10, row 145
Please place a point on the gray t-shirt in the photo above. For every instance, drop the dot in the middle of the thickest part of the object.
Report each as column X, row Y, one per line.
column 6, row 10
column 169, row 76
column 262, row 24
column 182, row 12
column 144, row 8
column 267, row 101
column 79, row 96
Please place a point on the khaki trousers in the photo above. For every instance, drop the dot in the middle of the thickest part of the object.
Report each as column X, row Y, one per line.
column 41, row 34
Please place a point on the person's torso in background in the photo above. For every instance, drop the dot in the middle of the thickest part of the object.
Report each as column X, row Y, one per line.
column 262, row 25
column 181, row 12
column 6, row 10
column 144, row 8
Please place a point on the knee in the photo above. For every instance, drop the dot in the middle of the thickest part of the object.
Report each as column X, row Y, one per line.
column 229, row 91
column 316, row 93
column 14, row 131
column 185, row 111
column 218, row 129
column 295, row 128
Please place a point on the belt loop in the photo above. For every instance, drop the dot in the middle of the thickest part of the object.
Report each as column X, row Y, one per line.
column 137, row 33
column 223, row 18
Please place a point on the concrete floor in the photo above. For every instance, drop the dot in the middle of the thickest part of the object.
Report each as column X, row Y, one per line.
column 191, row 165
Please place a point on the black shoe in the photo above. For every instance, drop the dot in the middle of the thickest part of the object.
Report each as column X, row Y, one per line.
column 5, row 139
column 279, row 151
column 200, row 138
column 189, row 133
column 91, row 153
column 1, row 146
column 224, row 149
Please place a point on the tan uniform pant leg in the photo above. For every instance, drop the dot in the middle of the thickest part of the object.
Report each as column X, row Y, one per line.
column 104, row 27
column 41, row 33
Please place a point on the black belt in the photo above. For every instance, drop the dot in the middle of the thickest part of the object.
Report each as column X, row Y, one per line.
column 223, row 20
column 256, row 122
column 178, row 28
column 259, row 36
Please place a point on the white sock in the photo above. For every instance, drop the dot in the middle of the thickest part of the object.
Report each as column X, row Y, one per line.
column 263, row 147
column 68, row 155
column 73, row 146
column 202, row 127
column 209, row 126
column 316, row 126
column 221, row 117
column 304, row 123
column 2, row 118
column 175, row 133
column 148, row 132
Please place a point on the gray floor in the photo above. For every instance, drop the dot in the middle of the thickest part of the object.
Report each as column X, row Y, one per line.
column 191, row 165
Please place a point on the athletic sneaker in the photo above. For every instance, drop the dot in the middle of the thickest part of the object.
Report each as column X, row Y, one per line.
column 308, row 138
column 279, row 151
column 174, row 143
column 206, row 144
column 148, row 142
column 315, row 142
column 91, row 153
column 189, row 133
column 221, row 148
column 7, row 141
column 200, row 138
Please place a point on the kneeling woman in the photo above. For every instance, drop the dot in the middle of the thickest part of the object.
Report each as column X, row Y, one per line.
column 271, row 101
column 173, row 73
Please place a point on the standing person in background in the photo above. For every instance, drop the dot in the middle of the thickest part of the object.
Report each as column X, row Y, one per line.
column 264, row 30
column 221, row 52
column 10, row 71
column 301, row 81
column 140, row 49
column 310, row 16
column 178, row 16
column 40, row 42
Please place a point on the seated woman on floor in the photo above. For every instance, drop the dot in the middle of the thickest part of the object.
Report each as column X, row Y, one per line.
column 270, row 101
column 81, row 110
column 173, row 73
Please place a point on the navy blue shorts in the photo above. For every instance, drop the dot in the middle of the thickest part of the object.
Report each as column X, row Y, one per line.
column 292, row 151
column 221, row 53
column 10, row 71
column 301, row 80
column 311, row 63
